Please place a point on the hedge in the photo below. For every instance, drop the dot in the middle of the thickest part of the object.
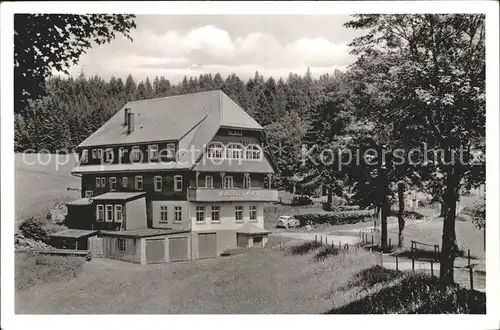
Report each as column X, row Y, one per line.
column 334, row 218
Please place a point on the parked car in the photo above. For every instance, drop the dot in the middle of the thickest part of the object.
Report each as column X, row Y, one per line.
column 287, row 221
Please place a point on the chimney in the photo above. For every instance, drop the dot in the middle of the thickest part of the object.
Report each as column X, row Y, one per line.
column 130, row 122
column 125, row 121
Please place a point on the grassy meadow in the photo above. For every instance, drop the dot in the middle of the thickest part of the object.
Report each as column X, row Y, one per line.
column 301, row 278
column 41, row 181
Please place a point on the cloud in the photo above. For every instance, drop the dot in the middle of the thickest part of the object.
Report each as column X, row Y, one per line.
column 210, row 49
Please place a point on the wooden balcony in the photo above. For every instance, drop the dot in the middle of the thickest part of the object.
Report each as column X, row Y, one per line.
column 229, row 195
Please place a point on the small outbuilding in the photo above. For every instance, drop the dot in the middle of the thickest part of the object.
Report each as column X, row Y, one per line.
column 250, row 235
column 73, row 239
column 147, row 245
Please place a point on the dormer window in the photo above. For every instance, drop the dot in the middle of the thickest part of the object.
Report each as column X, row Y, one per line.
column 215, row 150
column 85, row 156
column 135, row 154
column 109, row 155
column 234, row 151
column 153, row 152
column 235, row 132
column 253, row 152
column 171, row 150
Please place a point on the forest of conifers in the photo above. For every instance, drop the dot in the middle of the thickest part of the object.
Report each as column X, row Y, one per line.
column 75, row 107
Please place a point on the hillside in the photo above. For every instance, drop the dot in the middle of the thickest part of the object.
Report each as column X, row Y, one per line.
column 42, row 180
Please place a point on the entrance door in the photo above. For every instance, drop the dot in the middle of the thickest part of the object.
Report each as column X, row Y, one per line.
column 155, row 251
column 178, row 249
column 207, row 245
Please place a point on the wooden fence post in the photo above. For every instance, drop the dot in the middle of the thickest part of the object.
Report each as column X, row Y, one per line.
column 372, row 239
column 340, row 246
column 381, row 259
column 326, row 240
column 390, row 243
column 432, row 268
column 321, row 240
column 471, row 278
column 397, row 263
column 413, row 263
column 315, row 238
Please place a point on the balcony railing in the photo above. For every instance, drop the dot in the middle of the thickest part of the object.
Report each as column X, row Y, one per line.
column 228, row 195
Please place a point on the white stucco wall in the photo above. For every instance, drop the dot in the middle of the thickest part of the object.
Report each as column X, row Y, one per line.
column 227, row 216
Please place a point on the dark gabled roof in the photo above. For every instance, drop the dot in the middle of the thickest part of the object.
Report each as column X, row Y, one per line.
column 251, row 229
column 119, row 195
column 144, row 232
column 172, row 118
column 74, row 233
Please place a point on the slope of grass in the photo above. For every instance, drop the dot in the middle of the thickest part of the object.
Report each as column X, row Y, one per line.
column 41, row 181
column 410, row 293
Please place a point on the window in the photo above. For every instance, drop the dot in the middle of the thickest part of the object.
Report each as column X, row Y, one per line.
column 178, row 183
column 98, row 182
column 124, row 182
column 139, row 182
column 163, row 214
column 100, row 213
column 118, row 213
column 178, row 214
column 215, row 213
column 200, row 214
column 112, row 183
column 135, row 154
column 171, row 150
column 215, row 151
column 235, row 132
column 99, row 153
column 228, row 182
column 253, row 213
column 121, row 242
column 153, row 152
column 89, row 193
column 109, row 155
column 247, row 182
column 234, row 151
column 85, row 156
column 209, row 181
column 158, row 183
column 94, row 153
column 253, row 152
column 103, row 182
column 238, row 213
column 121, row 152
column 109, row 213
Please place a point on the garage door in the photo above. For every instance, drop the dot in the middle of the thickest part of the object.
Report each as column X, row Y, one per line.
column 155, row 251
column 178, row 249
column 207, row 245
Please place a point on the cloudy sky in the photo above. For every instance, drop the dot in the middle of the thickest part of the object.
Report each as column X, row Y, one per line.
column 174, row 46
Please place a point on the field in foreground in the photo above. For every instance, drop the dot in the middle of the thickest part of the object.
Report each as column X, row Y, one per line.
column 297, row 280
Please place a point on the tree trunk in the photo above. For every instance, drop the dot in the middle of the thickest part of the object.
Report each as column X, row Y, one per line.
column 384, row 211
column 442, row 212
column 330, row 198
column 449, row 244
column 401, row 220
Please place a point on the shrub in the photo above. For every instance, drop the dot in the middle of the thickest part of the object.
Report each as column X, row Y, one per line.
column 301, row 200
column 33, row 228
column 407, row 214
column 325, row 252
column 305, row 248
column 334, row 218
